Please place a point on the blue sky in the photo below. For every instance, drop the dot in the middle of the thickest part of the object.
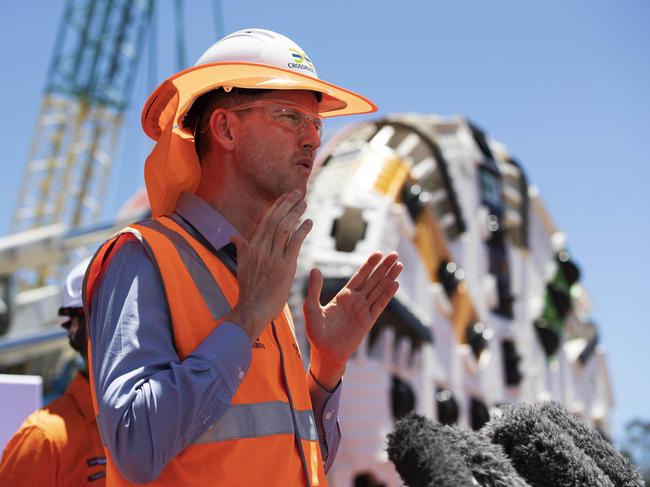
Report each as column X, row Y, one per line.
column 565, row 85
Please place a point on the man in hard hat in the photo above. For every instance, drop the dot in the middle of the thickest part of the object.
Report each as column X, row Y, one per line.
column 59, row 445
column 198, row 378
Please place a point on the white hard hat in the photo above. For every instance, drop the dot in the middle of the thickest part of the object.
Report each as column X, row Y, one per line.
column 246, row 59
column 259, row 46
column 72, row 286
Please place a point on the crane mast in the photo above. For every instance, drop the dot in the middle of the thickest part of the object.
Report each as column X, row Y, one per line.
column 86, row 93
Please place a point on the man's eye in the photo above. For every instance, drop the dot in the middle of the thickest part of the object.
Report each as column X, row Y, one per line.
column 289, row 115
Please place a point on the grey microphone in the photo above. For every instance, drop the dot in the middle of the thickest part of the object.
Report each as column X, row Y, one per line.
column 424, row 458
column 541, row 451
column 487, row 461
column 427, row 453
column 618, row 468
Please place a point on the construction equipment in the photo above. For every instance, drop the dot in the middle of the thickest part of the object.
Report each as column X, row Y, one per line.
column 490, row 308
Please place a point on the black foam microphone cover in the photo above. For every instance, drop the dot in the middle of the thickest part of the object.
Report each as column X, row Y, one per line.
column 424, row 458
column 487, row 461
column 618, row 468
column 426, row 452
column 541, row 451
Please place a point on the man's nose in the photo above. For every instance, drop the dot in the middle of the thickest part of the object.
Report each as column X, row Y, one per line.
column 309, row 137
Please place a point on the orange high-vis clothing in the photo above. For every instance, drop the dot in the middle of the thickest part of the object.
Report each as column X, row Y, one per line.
column 268, row 434
column 58, row 445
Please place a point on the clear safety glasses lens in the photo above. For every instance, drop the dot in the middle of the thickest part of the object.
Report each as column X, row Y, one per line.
column 293, row 118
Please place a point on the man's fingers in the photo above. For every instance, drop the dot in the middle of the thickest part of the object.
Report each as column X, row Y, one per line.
column 286, row 227
column 378, row 274
column 261, row 227
column 395, row 271
column 266, row 228
column 293, row 247
column 364, row 271
column 378, row 306
column 385, row 283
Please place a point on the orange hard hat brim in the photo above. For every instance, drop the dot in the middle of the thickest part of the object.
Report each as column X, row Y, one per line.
column 173, row 166
column 195, row 81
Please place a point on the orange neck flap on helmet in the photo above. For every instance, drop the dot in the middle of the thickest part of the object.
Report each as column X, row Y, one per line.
column 173, row 166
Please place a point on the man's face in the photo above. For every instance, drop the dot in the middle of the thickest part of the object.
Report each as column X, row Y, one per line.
column 271, row 157
column 77, row 334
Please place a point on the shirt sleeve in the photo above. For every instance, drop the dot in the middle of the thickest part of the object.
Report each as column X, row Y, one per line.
column 30, row 458
column 152, row 404
column 326, row 414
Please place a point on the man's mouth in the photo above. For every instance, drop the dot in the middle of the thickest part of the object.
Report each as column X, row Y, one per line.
column 306, row 163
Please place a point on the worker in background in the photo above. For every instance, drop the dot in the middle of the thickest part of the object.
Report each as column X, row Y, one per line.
column 59, row 445
column 197, row 375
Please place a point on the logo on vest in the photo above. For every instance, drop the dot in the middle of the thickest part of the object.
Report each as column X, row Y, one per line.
column 258, row 344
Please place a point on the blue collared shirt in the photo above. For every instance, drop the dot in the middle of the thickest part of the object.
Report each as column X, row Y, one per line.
column 152, row 404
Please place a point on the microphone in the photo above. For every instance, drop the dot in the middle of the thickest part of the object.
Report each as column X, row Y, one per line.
column 427, row 453
column 425, row 458
column 541, row 450
column 487, row 461
column 609, row 460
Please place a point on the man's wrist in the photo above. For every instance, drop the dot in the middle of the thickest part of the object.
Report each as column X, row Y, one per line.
column 248, row 320
column 326, row 372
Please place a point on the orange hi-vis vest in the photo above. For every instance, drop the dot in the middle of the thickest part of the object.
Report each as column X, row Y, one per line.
column 268, row 434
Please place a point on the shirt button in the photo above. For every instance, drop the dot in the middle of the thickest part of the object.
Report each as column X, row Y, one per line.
column 241, row 373
column 328, row 416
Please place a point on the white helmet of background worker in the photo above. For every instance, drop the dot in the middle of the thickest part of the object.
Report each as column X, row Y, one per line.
column 247, row 59
column 72, row 307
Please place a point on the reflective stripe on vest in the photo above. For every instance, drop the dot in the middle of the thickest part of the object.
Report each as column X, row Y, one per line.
column 258, row 420
column 206, row 284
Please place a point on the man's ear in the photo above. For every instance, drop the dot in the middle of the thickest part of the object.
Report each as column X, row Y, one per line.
column 222, row 128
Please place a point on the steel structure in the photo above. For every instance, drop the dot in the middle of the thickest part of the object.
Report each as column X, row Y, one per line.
column 87, row 90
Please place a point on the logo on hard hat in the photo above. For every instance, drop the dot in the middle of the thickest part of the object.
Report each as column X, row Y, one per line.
column 301, row 61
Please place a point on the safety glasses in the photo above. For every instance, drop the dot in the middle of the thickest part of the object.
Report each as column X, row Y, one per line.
column 71, row 311
column 293, row 117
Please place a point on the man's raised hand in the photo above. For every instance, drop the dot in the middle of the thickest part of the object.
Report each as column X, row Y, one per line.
column 266, row 265
column 336, row 329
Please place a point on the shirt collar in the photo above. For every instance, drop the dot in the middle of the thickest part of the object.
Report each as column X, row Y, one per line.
column 79, row 389
column 214, row 227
